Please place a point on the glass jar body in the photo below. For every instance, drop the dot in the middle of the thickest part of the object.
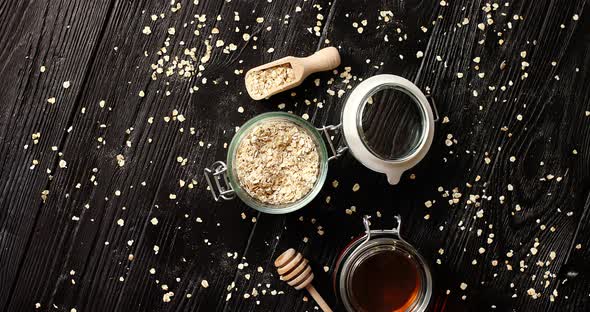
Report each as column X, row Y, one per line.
column 362, row 248
column 243, row 132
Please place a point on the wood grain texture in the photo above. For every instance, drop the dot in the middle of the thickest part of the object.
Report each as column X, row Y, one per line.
column 63, row 39
column 542, row 144
column 114, row 236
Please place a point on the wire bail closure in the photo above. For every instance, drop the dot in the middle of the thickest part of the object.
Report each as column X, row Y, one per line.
column 368, row 231
column 336, row 151
column 215, row 176
column 432, row 103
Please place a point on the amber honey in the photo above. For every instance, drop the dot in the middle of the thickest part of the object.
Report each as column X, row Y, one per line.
column 386, row 281
column 381, row 272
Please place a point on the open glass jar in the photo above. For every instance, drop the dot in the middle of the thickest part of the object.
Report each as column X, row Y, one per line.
column 380, row 271
column 387, row 124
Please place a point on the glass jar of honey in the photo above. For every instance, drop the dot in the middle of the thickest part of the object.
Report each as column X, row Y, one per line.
column 381, row 272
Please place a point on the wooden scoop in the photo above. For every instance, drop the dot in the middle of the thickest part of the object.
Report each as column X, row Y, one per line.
column 324, row 59
column 295, row 270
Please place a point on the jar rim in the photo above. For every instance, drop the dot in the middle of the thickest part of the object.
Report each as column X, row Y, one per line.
column 417, row 146
column 320, row 147
column 353, row 136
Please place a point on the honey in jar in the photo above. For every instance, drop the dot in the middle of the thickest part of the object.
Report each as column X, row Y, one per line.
column 381, row 272
column 387, row 281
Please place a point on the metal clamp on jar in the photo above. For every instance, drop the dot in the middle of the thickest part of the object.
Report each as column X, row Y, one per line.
column 386, row 132
column 380, row 271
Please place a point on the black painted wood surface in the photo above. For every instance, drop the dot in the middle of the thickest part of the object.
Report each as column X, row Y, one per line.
column 77, row 225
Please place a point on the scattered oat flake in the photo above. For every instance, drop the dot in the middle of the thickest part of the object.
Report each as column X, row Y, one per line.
column 167, row 297
column 533, row 293
column 120, row 160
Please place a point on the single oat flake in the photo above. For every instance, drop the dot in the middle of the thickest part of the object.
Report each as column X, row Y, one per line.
column 277, row 162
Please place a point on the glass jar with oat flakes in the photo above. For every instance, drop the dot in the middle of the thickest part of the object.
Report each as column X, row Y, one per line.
column 278, row 162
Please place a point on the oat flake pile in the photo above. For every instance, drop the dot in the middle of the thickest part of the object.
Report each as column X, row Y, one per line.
column 277, row 162
column 260, row 82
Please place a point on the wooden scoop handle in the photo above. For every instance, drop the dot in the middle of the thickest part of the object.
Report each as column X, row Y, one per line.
column 324, row 59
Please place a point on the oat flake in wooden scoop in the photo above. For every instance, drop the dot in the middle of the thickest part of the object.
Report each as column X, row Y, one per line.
column 288, row 72
column 295, row 270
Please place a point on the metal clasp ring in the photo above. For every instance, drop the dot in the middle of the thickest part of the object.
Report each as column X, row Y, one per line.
column 336, row 152
column 368, row 231
column 367, row 225
column 396, row 230
column 217, row 173
column 430, row 99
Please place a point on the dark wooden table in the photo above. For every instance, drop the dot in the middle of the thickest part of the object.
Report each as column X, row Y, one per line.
column 103, row 205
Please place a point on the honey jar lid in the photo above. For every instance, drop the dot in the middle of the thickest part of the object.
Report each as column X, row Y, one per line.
column 388, row 125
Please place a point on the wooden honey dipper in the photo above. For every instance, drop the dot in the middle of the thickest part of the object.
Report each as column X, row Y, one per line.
column 295, row 270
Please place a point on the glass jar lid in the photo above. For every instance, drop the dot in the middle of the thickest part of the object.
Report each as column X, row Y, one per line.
column 388, row 124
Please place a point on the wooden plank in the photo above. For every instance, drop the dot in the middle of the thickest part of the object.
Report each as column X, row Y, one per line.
column 95, row 248
column 63, row 39
column 573, row 275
